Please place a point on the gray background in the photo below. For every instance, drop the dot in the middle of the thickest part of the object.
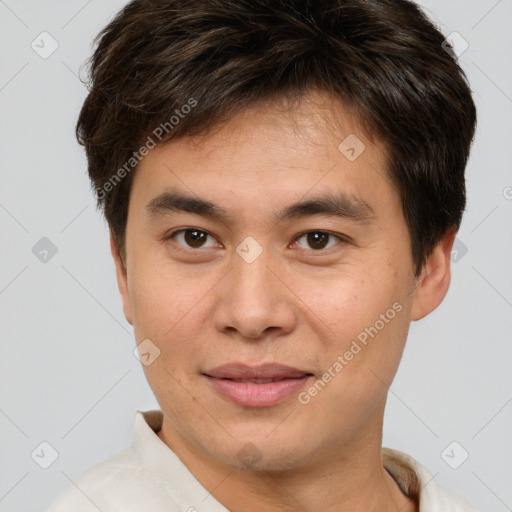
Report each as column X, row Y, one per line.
column 67, row 372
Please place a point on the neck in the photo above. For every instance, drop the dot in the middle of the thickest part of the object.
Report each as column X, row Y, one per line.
column 328, row 489
column 350, row 477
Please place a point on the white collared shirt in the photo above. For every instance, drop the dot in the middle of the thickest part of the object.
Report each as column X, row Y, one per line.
column 149, row 476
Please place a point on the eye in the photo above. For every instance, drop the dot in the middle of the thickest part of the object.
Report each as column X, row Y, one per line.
column 191, row 238
column 318, row 240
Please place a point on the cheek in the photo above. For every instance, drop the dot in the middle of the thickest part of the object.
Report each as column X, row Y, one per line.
column 361, row 319
column 347, row 302
column 166, row 307
column 358, row 367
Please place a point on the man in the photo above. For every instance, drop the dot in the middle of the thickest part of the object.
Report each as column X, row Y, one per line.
column 283, row 181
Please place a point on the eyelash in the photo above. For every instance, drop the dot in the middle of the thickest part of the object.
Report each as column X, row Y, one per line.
column 342, row 239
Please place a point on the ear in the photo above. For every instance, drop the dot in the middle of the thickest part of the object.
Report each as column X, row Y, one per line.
column 434, row 281
column 122, row 279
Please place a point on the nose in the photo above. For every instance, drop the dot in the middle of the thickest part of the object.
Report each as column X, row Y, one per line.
column 254, row 300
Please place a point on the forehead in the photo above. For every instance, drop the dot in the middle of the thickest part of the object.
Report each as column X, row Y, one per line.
column 270, row 155
column 314, row 121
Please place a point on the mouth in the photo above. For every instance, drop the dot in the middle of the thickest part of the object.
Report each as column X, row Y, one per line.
column 257, row 386
column 257, row 381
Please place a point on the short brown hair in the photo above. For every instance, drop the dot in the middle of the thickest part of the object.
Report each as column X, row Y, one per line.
column 383, row 58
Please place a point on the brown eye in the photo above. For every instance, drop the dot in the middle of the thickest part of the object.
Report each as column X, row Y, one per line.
column 191, row 238
column 195, row 238
column 317, row 240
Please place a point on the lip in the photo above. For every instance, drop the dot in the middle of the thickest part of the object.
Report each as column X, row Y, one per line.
column 285, row 381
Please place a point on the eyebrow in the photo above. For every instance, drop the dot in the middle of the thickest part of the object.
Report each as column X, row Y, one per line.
column 337, row 205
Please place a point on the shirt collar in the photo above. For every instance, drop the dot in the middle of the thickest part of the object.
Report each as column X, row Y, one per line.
column 168, row 469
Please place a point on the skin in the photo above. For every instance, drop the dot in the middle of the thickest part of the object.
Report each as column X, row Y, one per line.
column 296, row 304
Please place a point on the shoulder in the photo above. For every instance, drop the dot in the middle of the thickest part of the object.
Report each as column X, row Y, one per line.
column 117, row 483
column 416, row 481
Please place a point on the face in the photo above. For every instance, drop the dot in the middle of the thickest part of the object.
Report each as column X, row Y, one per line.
column 271, row 268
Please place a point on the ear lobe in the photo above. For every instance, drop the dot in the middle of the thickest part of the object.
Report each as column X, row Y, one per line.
column 122, row 279
column 435, row 279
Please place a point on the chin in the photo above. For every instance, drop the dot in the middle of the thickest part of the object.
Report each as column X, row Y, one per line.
column 260, row 453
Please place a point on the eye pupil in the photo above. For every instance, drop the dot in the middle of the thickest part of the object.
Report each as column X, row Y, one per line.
column 317, row 240
column 194, row 238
